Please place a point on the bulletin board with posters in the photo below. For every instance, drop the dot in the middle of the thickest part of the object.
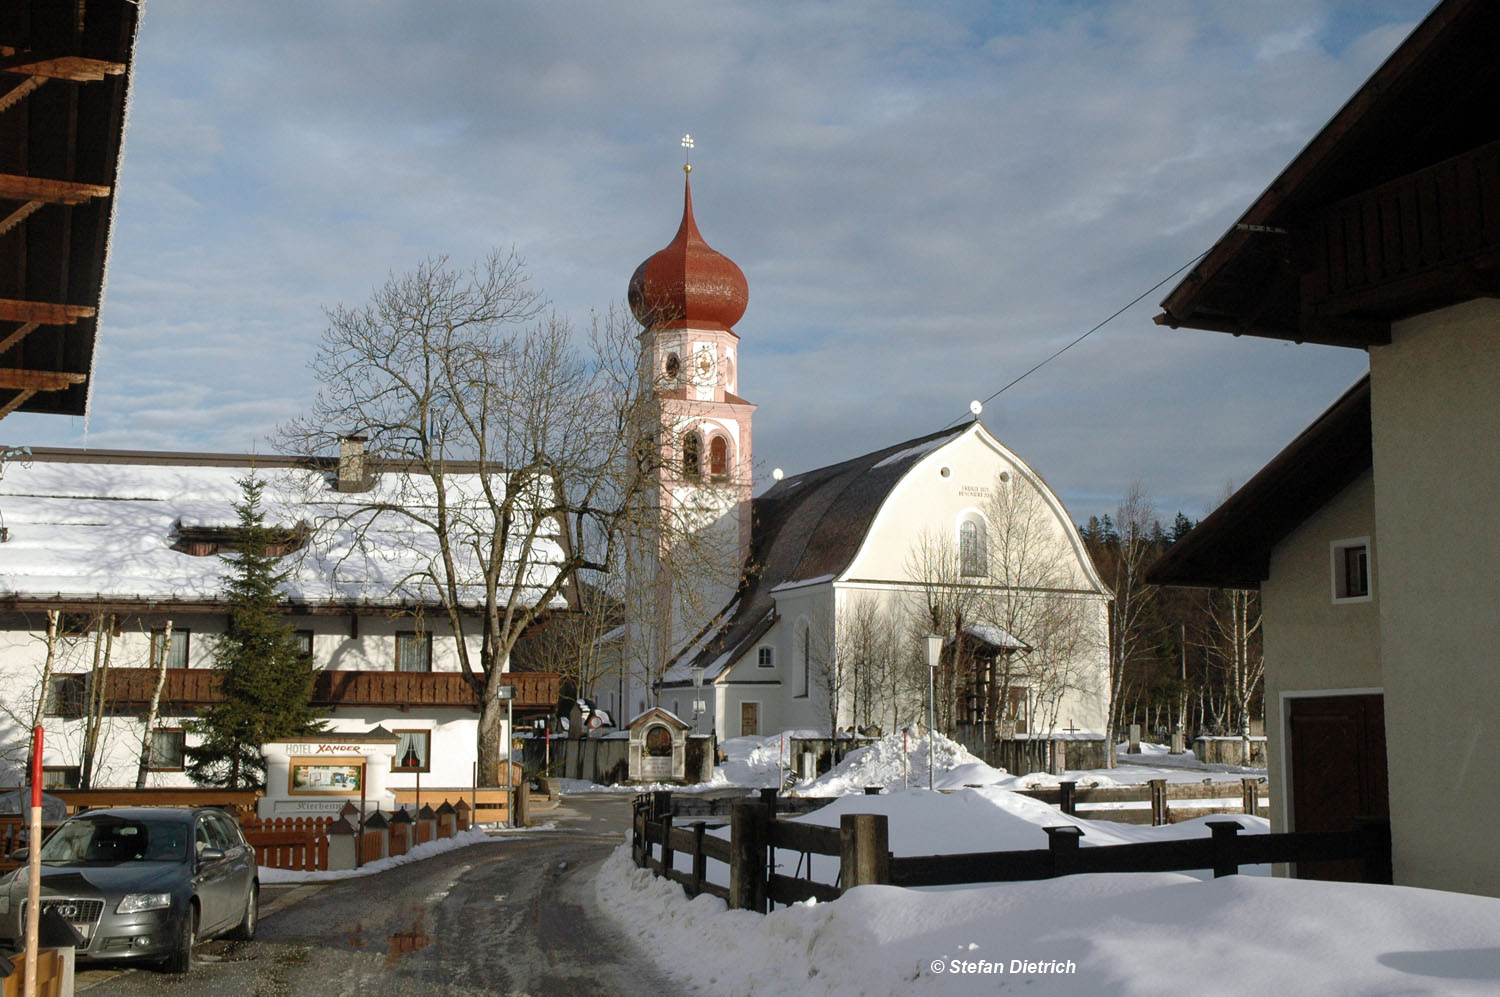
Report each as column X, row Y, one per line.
column 326, row 776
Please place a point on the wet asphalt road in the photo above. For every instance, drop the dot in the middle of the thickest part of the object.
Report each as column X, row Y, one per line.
column 515, row 915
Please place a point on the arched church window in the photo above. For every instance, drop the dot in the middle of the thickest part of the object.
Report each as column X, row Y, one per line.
column 806, row 659
column 718, row 456
column 973, row 553
column 692, row 455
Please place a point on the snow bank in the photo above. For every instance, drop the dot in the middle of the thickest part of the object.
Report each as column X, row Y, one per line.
column 898, row 761
column 1143, row 933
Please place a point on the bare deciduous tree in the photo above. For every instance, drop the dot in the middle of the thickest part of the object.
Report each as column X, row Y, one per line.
column 447, row 364
column 1126, row 556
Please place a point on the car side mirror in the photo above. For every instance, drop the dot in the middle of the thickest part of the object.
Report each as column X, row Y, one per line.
column 20, row 854
column 210, row 855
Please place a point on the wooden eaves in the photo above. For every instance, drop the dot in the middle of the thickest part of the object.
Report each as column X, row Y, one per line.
column 64, row 77
column 1390, row 210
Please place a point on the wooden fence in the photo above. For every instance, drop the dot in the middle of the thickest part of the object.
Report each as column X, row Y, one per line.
column 1162, row 802
column 13, row 834
column 299, row 843
column 861, row 844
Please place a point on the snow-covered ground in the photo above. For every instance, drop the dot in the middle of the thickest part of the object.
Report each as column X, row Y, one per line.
column 899, row 761
column 1142, row 933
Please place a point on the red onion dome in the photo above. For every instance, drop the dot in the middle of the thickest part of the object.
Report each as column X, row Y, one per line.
column 687, row 283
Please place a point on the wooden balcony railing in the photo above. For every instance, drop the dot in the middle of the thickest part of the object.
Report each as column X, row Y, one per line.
column 192, row 687
column 1414, row 241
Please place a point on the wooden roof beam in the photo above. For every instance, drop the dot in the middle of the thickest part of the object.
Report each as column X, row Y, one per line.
column 43, row 312
column 21, row 188
column 16, row 336
column 16, row 94
column 38, row 380
column 20, row 398
column 76, row 68
column 18, row 216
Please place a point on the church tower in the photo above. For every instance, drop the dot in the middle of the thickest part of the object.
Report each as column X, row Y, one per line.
column 687, row 298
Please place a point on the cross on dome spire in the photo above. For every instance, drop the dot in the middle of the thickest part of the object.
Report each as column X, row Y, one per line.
column 687, row 155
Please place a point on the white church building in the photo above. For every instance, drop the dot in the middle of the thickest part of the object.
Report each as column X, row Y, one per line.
column 834, row 569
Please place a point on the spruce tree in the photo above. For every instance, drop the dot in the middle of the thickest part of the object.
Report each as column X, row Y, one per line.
column 264, row 680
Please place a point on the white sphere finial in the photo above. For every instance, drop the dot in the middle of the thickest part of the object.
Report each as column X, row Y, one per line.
column 976, row 407
column 777, row 474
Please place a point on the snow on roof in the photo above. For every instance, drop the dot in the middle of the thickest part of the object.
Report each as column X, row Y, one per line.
column 803, row 583
column 664, row 712
column 994, row 637
column 85, row 528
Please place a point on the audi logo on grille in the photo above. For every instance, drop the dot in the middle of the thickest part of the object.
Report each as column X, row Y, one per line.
column 68, row 911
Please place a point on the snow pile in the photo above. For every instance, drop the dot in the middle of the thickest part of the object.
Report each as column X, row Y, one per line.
column 758, row 762
column 899, row 760
column 1140, row 933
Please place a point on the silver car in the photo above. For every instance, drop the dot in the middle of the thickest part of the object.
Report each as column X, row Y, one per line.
column 142, row 883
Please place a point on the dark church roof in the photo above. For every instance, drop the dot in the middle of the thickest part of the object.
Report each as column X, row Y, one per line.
column 806, row 529
column 1232, row 547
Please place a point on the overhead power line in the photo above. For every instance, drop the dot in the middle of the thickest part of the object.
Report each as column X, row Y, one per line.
column 1113, row 315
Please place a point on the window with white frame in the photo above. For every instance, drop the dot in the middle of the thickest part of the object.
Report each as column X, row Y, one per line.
column 973, row 547
column 765, row 658
column 1350, row 567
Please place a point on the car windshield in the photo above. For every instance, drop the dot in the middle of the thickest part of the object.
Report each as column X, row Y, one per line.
column 107, row 840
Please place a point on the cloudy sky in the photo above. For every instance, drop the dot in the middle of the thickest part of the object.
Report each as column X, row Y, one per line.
column 926, row 200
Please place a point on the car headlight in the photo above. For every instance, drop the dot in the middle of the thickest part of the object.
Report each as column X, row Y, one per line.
column 134, row 903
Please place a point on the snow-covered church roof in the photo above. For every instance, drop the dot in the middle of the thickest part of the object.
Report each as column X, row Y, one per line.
column 94, row 525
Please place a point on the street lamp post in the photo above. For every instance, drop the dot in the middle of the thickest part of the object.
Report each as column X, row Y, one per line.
column 697, row 695
column 934, row 652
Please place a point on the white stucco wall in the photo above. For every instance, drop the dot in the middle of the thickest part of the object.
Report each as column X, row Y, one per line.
column 1312, row 643
column 925, row 501
column 1435, row 401
column 23, row 653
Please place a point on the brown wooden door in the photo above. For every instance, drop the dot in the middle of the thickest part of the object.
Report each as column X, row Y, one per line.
column 749, row 719
column 1337, row 760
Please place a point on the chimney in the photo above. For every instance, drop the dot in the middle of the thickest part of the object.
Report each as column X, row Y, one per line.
column 351, row 463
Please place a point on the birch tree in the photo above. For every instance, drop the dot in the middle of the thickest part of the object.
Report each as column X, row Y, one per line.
column 148, row 735
column 95, row 700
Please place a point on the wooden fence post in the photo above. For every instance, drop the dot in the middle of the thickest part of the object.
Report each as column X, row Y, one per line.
column 865, row 850
column 747, row 856
column 661, row 802
column 1065, row 798
column 1226, row 847
column 1062, row 842
column 1250, row 793
column 700, row 861
column 1375, row 848
column 1159, row 813
column 666, row 842
column 768, row 799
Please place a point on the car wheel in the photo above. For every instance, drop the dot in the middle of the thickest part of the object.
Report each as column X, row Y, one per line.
column 181, row 958
column 245, row 930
